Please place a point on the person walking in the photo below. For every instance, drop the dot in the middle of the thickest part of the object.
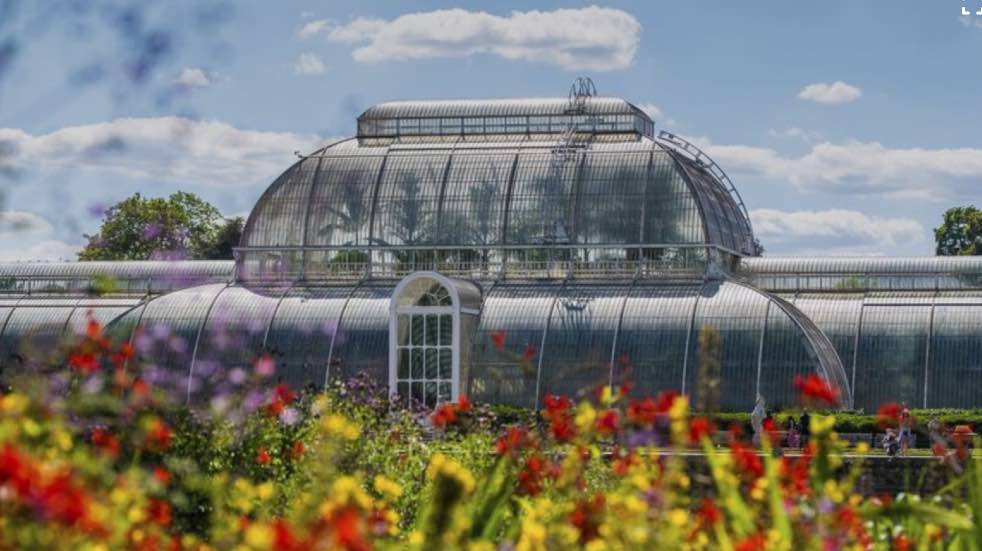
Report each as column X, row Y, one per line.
column 757, row 419
column 906, row 423
column 794, row 437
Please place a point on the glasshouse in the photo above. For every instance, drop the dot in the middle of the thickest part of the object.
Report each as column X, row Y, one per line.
column 509, row 249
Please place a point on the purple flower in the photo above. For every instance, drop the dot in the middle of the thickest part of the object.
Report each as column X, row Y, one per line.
column 289, row 416
column 237, row 376
column 265, row 366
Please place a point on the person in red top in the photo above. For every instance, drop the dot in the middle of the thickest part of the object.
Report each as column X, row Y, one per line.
column 906, row 423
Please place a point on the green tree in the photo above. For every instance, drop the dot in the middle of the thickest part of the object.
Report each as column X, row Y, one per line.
column 182, row 226
column 960, row 233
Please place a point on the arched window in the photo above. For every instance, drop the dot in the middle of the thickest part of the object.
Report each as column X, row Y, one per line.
column 424, row 340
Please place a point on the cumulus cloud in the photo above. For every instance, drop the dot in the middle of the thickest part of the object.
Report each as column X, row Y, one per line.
column 857, row 228
column 28, row 236
column 863, row 168
column 795, row 133
column 309, row 64
column 14, row 223
column 43, row 250
column 193, row 77
column 171, row 149
column 592, row 38
column 835, row 93
column 313, row 27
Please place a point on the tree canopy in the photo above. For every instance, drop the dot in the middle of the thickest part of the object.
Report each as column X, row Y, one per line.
column 182, row 226
column 960, row 233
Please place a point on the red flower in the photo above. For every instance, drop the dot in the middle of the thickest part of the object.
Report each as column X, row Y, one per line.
column 815, row 389
column 709, row 513
column 643, row 413
column 530, row 352
column 608, row 422
column 746, row 459
column 263, row 457
column 901, row 543
column 106, row 441
column 556, row 404
column 463, row 404
column 756, row 542
column 512, row 441
column 162, row 475
column 623, row 461
column 498, row 339
column 888, row 415
column 700, row 428
column 297, row 449
column 159, row 436
column 159, row 512
column 562, row 430
column 664, row 401
column 349, row 530
column 285, row 540
column 93, row 330
column 85, row 362
column 530, row 477
column 444, row 415
column 585, row 518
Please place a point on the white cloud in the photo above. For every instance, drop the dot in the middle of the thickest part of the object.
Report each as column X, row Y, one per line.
column 28, row 236
column 42, row 250
column 591, row 38
column 835, row 93
column 794, row 132
column 309, row 64
column 651, row 110
column 193, row 77
column 313, row 27
column 172, row 149
column 863, row 168
column 14, row 223
column 856, row 228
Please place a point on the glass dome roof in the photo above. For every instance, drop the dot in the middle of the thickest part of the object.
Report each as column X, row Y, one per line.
column 579, row 188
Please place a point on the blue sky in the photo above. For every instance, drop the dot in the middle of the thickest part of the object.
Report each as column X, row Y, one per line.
column 849, row 127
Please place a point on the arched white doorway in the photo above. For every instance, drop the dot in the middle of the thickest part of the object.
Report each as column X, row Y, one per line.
column 425, row 337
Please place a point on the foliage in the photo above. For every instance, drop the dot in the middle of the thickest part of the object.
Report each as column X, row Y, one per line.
column 94, row 457
column 960, row 233
column 178, row 227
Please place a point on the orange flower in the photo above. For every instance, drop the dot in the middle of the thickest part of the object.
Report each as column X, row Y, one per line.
column 512, row 441
column 159, row 436
column 756, row 542
column 263, row 457
column 297, row 449
column 162, row 475
column 106, row 441
column 463, row 404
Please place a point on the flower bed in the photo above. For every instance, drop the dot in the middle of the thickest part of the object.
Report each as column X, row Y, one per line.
column 93, row 456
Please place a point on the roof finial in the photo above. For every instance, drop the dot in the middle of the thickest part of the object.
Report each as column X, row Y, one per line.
column 581, row 89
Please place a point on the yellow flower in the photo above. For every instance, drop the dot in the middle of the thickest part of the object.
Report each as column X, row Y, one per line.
column 679, row 409
column 14, row 404
column 337, row 425
column 678, row 517
column 443, row 466
column 586, row 415
column 259, row 536
column 265, row 490
column 387, row 487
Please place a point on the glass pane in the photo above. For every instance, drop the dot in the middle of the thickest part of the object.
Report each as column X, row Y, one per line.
column 446, row 364
column 431, row 396
column 403, row 372
column 446, row 330
column 417, row 363
column 432, row 329
column 417, row 330
column 403, row 329
column 432, row 358
column 445, row 394
column 417, row 392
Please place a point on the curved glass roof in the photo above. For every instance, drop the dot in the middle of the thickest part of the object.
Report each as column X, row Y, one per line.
column 128, row 277
column 481, row 200
column 845, row 274
column 559, row 338
column 920, row 347
column 33, row 328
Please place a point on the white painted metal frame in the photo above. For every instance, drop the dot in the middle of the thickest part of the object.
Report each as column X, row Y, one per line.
column 395, row 310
